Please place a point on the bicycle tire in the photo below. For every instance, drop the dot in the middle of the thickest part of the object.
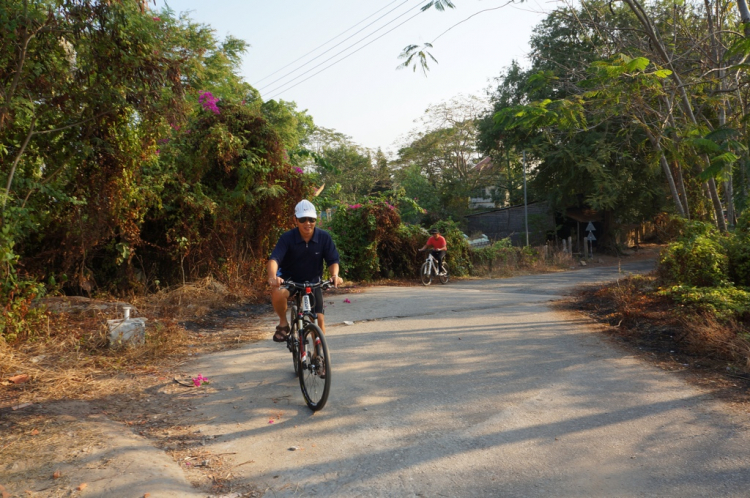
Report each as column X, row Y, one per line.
column 425, row 274
column 444, row 278
column 293, row 337
column 315, row 389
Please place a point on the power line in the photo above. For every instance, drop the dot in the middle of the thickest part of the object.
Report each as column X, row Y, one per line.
column 338, row 53
column 343, row 58
column 329, row 41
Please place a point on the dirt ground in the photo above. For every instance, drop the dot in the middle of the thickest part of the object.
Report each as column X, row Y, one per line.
column 44, row 437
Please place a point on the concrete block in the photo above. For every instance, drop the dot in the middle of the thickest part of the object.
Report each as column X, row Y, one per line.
column 127, row 332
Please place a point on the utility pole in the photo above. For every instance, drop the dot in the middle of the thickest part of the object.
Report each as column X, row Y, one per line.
column 525, row 205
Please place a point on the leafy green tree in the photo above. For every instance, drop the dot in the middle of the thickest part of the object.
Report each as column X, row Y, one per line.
column 133, row 153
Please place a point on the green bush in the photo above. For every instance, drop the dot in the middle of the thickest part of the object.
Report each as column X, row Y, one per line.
column 19, row 319
column 499, row 253
column 372, row 242
column 724, row 302
column 698, row 258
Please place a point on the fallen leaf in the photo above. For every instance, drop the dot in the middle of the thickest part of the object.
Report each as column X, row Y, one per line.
column 19, row 379
column 56, row 475
column 82, row 486
column 35, row 432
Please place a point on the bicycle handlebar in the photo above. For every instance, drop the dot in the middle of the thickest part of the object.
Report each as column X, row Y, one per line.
column 324, row 285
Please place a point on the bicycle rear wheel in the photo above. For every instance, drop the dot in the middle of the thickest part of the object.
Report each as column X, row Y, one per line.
column 315, row 371
column 425, row 274
column 444, row 278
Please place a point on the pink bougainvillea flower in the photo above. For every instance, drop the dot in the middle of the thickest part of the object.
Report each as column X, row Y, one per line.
column 157, row 19
column 299, row 170
column 347, row 300
column 270, row 421
column 197, row 381
column 208, row 101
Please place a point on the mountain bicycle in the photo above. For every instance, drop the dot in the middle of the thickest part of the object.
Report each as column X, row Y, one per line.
column 306, row 342
column 430, row 270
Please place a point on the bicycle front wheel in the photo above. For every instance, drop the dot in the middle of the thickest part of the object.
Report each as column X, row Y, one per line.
column 425, row 274
column 315, row 370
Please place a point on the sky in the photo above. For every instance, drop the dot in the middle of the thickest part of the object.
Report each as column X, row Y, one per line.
column 363, row 95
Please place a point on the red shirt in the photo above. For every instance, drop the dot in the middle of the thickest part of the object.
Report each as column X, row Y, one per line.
column 437, row 242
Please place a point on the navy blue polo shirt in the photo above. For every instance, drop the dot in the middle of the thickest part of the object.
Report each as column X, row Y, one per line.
column 302, row 261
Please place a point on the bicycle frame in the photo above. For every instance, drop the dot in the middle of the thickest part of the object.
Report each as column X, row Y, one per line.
column 303, row 306
column 432, row 265
column 308, row 345
column 430, row 268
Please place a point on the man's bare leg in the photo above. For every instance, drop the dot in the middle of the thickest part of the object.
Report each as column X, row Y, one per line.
column 279, row 298
column 322, row 322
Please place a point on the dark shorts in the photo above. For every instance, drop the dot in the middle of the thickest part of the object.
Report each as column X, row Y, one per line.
column 316, row 299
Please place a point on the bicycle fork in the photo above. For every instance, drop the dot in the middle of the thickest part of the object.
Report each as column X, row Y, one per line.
column 306, row 308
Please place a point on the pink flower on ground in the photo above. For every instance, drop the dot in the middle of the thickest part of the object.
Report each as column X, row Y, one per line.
column 197, row 381
column 347, row 300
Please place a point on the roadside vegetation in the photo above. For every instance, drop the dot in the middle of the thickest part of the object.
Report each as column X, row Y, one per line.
column 693, row 312
column 138, row 166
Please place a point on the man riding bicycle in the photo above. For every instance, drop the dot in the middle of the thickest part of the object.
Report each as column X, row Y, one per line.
column 439, row 248
column 300, row 253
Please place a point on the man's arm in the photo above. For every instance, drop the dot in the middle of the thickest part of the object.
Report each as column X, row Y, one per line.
column 272, row 267
column 426, row 245
column 334, row 269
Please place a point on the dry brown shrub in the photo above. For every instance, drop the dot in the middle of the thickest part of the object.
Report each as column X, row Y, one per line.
column 71, row 358
column 191, row 300
column 728, row 341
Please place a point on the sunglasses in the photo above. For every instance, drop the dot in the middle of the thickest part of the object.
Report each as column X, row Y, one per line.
column 306, row 220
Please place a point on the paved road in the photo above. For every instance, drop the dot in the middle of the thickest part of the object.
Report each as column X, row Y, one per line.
column 476, row 388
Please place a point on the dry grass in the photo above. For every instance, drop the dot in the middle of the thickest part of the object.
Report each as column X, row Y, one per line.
column 70, row 359
column 72, row 371
column 728, row 341
column 710, row 353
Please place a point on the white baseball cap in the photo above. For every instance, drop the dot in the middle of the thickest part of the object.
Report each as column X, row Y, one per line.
column 305, row 209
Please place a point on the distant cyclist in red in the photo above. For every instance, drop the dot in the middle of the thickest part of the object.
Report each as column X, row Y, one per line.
column 439, row 247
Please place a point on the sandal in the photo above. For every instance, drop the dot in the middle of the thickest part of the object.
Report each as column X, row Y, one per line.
column 322, row 371
column 281, row 333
